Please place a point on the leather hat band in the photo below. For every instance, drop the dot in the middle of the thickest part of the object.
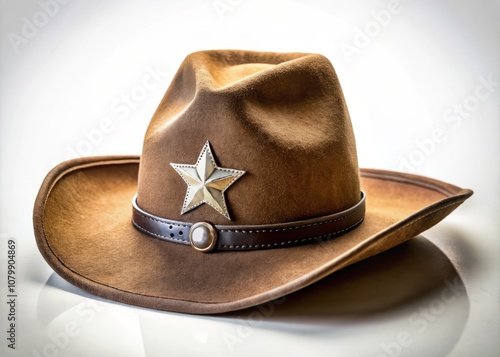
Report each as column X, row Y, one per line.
column 203, row 236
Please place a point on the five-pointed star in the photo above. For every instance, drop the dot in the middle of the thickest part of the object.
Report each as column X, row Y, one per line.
column 206, row 182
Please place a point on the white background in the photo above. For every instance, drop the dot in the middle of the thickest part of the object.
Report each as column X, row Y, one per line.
column 413, row 75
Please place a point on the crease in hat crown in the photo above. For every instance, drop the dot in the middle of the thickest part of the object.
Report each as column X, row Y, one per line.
column 280, row 117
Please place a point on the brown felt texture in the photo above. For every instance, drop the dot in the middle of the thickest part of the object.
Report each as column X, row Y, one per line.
column 281, row 118
column 84, row 232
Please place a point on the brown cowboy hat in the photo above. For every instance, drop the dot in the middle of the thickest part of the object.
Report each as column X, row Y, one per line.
column 247, row 189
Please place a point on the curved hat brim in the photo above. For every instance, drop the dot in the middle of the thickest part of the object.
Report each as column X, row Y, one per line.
column 82, row 222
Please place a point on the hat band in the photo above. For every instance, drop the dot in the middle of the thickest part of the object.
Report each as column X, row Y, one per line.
column 204, row 236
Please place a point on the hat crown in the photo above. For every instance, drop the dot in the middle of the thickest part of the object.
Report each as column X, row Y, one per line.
column 280, row 117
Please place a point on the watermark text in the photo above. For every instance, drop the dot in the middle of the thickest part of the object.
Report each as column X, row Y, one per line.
column 31, row 26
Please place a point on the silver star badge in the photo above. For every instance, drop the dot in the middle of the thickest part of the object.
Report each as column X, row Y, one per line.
column 206, row 182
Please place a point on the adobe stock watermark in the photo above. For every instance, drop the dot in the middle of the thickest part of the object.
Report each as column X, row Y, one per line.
column 31, row 26
column 364, row 35
column 246, row 327
column 120, row 108
column 454, row 117
column 421, row 319
column 86, row 312
column 11, row 298
column 222, row 7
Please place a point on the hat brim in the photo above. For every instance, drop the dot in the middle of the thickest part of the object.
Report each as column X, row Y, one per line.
column 82, row 223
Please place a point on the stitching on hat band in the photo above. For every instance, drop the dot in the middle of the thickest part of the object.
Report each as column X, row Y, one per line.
column 254, row 236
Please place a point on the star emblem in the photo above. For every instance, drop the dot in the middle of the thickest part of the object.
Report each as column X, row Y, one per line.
column 206, row 182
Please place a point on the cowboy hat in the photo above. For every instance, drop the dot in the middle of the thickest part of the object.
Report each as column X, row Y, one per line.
column 247, row 189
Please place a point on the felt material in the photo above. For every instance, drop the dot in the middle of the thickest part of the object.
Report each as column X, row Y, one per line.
column 281, row 118
column 83, row 230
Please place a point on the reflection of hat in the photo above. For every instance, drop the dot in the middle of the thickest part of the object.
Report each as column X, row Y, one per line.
column 248, row 189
